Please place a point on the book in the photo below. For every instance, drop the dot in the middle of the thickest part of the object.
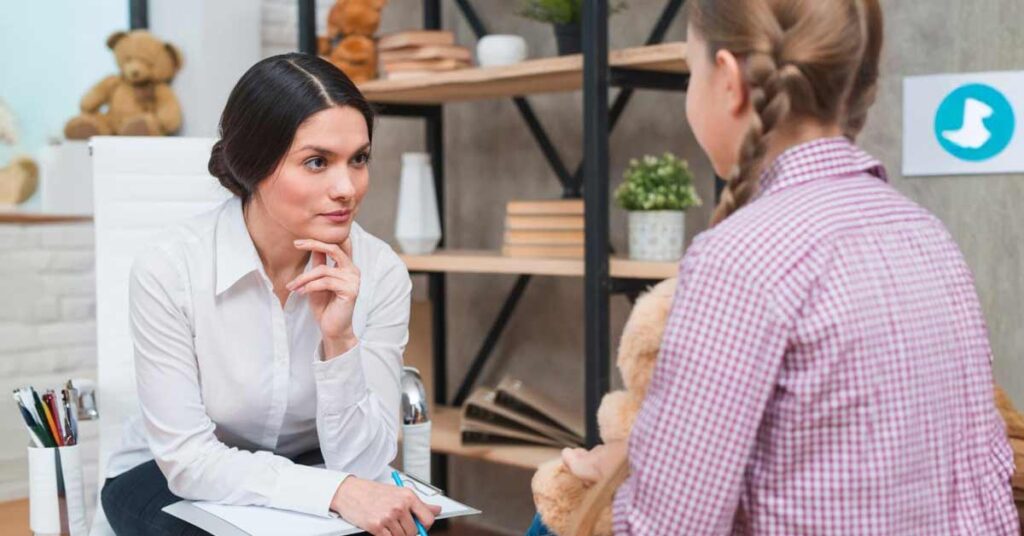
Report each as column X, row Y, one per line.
column 228, row 520
column 434, row 52
column 544, row 238
column 552, row 207
column 544, row 223
column 518, row 396
column 413, row 38
column 425, row 65
column 485, row 420
column 558, row 252
column 405, row 75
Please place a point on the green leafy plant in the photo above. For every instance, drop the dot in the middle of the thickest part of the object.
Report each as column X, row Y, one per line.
column 653, row 183
column 561, row 11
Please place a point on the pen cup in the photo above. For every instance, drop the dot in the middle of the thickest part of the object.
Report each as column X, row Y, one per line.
column 56, row 493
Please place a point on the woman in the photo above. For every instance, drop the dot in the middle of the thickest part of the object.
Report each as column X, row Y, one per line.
column 825, row 368
column 272, row 326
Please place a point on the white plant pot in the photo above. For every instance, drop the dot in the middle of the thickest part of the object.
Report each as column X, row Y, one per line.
column 656, row 235
column 417, row 223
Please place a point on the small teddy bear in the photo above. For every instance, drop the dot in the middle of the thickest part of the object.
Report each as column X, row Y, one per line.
column 349, row 44
column 139, row 101
column 558, row 493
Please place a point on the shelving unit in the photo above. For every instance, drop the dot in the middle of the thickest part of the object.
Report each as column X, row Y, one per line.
column 493, row 262
column 545, row 75
column 655, row 65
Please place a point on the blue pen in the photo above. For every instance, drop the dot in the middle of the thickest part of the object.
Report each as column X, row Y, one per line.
column 398, row 481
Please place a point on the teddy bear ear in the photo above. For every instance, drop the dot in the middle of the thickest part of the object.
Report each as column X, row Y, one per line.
column 175, row 55
column 114, row 38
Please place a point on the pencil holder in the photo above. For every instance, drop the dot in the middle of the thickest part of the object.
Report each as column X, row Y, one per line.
column 56, row 496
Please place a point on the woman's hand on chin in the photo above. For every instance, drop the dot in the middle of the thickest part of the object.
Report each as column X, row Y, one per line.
column 381, row 509
column 332, row 293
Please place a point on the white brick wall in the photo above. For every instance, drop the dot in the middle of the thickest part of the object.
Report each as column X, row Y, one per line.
column 280, row 26
column 47, row 331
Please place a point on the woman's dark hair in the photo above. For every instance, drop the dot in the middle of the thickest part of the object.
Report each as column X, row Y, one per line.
column 265, row 109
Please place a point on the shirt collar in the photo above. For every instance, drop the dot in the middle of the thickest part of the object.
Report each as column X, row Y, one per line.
column 819, row 159
column 236, row 254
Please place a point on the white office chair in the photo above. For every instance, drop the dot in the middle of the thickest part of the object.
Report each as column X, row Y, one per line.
column 140, row 186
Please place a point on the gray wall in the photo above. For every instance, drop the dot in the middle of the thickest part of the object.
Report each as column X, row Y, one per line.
column 491, row 158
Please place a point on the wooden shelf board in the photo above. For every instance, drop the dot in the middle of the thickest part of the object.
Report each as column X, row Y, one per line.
column 445, row 438
column 25, row 217
column 545, row 75
column 493, row 262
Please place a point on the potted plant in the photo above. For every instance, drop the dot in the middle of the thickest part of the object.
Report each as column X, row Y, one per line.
column 656, row 192
column 565, row 16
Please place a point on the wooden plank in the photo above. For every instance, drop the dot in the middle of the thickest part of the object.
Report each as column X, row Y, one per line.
column 545, row 75
column 25, row 217
column 14, row 518
column 445, row 438
column 492, row 262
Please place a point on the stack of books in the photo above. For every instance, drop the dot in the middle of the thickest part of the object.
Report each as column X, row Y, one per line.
column 420, row 52
column 551, row 228
column 516, row 415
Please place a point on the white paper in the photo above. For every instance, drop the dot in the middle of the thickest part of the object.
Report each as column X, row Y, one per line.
column 260, row 521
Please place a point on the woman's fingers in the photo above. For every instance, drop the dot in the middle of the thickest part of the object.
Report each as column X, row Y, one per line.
column 341, row 259
column 407, row 524
column 425, row 512
column 330, row 283
column 316, row 273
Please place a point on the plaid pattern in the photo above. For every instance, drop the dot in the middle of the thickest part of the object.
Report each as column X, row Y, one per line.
column 825, row 370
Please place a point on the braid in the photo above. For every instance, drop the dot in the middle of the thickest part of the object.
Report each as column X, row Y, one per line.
column 770, row 98
column 864, row 89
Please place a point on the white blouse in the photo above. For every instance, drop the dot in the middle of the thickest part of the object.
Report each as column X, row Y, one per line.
column 231, row 385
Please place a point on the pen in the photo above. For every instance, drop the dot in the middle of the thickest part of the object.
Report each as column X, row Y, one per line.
column 398, row 482
column 58, row 422
column 44, row 411
column 33, row 433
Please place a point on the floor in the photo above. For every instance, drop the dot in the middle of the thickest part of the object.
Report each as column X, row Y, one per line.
column 14, row 522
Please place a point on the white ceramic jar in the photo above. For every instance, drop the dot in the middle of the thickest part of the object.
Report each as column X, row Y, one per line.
column 494, row 50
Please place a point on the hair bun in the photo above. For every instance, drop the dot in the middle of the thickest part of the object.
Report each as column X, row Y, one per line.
column 218, row 167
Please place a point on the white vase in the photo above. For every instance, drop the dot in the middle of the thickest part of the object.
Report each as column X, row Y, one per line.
column 656, row 235
column 417, row 223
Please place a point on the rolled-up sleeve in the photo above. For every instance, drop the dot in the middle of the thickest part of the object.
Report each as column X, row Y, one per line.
column 358, row 392
column 180, row 433
column 692, row 441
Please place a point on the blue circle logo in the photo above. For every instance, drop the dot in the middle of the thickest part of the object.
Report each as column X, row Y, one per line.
column 975, row 122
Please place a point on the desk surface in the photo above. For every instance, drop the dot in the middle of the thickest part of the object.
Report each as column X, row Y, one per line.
column 14, row 518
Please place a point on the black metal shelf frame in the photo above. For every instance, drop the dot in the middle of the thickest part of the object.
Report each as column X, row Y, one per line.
column 589, row 181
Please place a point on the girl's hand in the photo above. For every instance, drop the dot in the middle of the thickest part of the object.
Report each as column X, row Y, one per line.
column 593, row 465
column 381, row 509
column 332, row 293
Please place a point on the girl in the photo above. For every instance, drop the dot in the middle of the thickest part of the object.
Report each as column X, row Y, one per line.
column 271, row 326
column 825, row 368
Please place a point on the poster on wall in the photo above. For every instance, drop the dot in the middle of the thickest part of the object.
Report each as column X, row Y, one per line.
column 961, row 124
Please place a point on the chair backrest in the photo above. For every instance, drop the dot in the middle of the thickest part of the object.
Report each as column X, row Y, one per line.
column 140, row 186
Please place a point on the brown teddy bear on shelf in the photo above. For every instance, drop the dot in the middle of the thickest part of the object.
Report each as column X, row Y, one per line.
column 139, row 101
column 349, row 44
column 558, row 493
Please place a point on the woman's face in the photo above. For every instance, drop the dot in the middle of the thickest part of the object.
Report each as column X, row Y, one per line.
column 322, row 179
column 717, row 107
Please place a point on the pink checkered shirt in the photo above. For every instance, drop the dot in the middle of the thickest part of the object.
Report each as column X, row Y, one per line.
column 825, row 370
